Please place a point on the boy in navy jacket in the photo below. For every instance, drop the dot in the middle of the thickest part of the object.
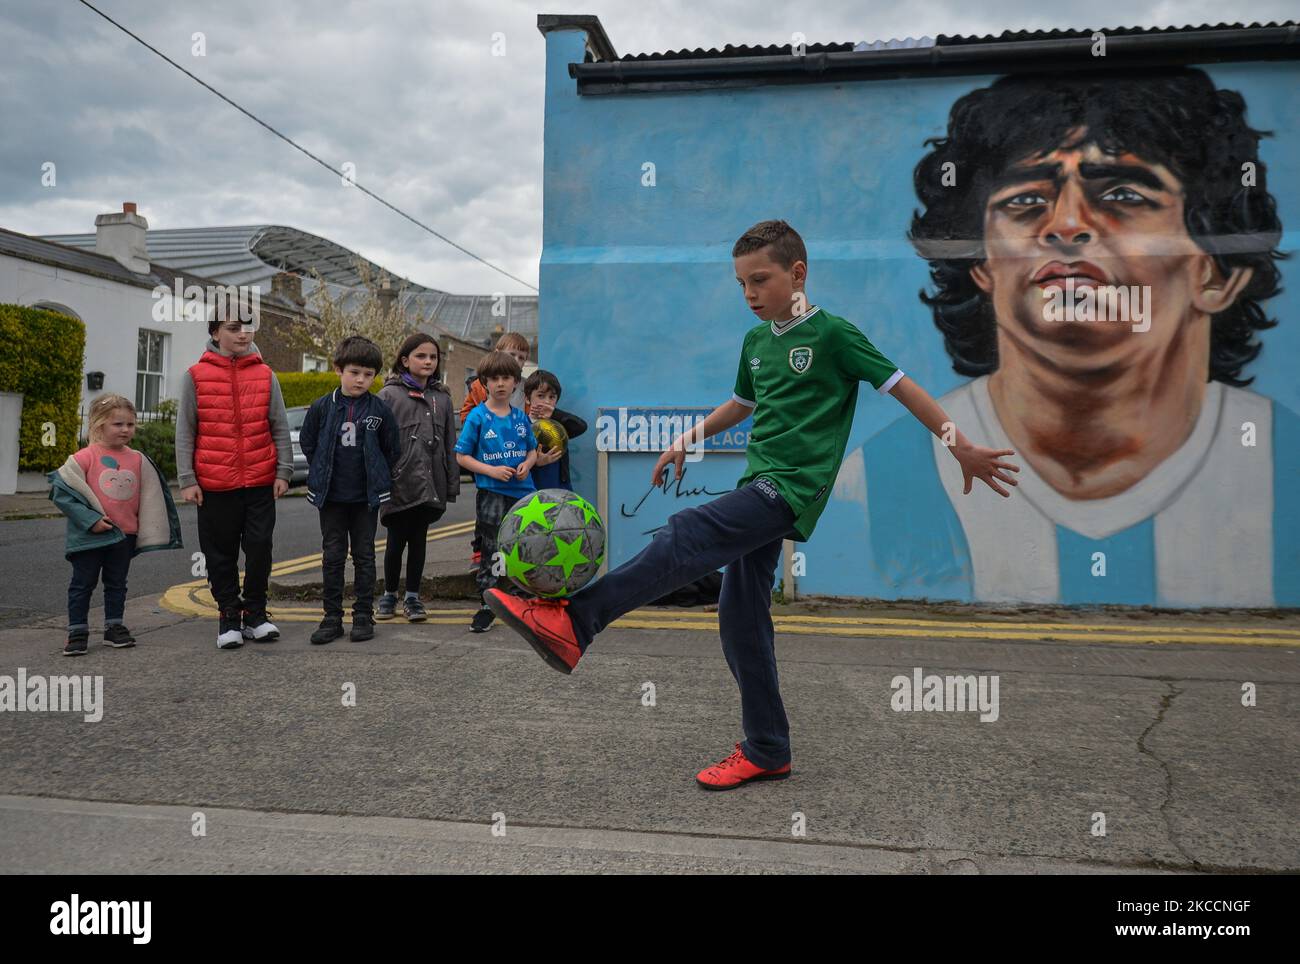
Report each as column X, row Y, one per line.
column 351, row 442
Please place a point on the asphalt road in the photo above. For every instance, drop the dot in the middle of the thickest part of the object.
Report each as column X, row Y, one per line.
column 34, row 574
column 453, row 733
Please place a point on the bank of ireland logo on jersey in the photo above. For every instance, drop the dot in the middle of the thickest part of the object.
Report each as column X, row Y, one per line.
column 801, row 359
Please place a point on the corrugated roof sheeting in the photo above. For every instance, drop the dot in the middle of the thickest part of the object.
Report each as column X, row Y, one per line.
column 742, row 50
column 1020, row 36
column 908, row 43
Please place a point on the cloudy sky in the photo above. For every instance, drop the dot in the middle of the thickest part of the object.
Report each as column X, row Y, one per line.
column 407, row 90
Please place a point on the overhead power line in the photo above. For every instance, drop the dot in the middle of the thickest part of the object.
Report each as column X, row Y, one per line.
column 294, row 144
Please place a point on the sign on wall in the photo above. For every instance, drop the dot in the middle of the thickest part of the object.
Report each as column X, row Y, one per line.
column 629, row 441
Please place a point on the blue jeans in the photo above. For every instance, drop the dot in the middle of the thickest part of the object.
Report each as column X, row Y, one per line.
column 741, row 530
column 114, row 562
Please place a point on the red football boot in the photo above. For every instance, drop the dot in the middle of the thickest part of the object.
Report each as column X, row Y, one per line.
column 736, row 770
column 544, row 623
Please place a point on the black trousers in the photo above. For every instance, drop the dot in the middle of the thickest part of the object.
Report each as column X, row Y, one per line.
column 228, row 521
column 344, row 525
column 408, row 532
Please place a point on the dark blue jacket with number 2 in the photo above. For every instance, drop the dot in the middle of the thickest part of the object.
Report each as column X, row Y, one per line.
column 377, row 431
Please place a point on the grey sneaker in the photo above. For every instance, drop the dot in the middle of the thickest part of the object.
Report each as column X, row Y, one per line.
column 386, row 607
column 414, row 610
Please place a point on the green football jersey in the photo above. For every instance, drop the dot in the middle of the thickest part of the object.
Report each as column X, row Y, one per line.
column 801, row 377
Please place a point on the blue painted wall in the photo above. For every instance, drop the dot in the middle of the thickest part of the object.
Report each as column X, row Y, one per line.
column 639, row 305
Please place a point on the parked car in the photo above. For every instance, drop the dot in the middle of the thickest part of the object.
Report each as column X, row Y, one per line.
column 296, row 416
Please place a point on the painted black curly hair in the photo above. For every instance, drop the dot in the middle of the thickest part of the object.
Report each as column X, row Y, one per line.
column 1174, row 117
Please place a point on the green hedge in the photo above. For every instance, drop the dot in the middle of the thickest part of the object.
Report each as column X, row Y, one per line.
column 303, row 388
column 41, row 356
column 158, row 441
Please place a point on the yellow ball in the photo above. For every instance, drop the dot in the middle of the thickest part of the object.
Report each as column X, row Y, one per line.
column 550, row 434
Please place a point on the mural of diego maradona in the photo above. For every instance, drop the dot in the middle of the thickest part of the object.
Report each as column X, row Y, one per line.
column 1150, row 473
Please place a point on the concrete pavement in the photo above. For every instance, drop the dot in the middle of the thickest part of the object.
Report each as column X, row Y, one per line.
column 453, row 733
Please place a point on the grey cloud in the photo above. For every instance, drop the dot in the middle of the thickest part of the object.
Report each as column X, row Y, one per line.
column 409, row 91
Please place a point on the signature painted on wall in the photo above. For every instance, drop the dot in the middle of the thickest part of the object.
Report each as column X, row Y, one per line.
column 678, row 489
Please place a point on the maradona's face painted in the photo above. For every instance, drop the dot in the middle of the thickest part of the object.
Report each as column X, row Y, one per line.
column 1081, row 216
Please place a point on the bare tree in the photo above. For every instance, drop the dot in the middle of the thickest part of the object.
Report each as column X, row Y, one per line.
column 373, row 310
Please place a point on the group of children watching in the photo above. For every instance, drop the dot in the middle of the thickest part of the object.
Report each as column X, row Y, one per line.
column 391, row 457
column 238, row 453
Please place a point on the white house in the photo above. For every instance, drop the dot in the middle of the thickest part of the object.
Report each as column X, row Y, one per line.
column 134, row 346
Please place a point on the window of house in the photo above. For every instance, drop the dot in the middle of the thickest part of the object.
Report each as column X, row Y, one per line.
column 150, row 362
column 315, row 363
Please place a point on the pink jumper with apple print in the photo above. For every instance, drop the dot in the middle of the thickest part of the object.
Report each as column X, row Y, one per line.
column 114, row 476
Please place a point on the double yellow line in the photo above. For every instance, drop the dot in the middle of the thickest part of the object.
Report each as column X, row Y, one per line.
column 882, row 626
column 194, row 599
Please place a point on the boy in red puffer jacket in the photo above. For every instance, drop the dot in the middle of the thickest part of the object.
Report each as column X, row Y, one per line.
column 234, row 459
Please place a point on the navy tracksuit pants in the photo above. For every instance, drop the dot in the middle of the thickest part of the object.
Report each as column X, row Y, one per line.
column 741, row 530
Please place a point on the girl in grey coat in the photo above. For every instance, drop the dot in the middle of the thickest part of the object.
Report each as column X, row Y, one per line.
column 427, row 477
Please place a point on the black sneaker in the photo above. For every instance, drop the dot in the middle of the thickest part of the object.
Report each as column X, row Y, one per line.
column 386, row 607
column 330, row 629
column 118, row 636
column 230, row 633
column 76, row 643
column 414, row 610
column 482, row 620
column 363, row 628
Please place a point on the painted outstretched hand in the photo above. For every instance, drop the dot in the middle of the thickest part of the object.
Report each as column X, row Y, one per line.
column 978, row 462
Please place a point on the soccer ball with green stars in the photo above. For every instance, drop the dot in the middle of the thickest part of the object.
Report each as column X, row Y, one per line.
column 552, row 543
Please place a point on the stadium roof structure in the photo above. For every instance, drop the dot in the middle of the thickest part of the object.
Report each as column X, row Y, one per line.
column 254, row 254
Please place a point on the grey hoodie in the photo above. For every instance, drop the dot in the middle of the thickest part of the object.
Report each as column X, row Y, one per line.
column 187, row 426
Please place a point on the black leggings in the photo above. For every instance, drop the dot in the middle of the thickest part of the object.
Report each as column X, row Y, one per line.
column 407, row 530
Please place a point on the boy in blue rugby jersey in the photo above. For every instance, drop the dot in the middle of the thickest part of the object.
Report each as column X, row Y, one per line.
column 497, row 444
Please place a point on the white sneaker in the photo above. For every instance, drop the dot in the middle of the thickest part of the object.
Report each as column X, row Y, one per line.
column 262, row 632
column 229, row 635
column 232, row 639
